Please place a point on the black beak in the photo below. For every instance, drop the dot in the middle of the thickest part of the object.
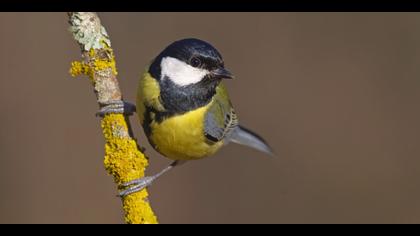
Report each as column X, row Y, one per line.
column 222, row 73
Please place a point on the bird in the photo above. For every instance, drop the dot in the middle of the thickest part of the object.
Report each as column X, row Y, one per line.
column 184, row 107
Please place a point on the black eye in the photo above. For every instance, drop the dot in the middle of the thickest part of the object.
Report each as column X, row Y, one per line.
column 195, row 62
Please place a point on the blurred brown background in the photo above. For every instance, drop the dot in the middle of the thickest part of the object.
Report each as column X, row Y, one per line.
column 336, row 95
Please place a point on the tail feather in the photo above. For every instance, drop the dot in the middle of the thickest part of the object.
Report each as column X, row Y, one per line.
column 248, row 138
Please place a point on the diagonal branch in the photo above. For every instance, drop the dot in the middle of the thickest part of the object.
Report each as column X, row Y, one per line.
column 123, row 159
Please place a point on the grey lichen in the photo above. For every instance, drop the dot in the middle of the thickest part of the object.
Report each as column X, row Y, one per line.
column 88, row 31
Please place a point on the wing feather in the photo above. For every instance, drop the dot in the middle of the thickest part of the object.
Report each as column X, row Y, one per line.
column 221, row 118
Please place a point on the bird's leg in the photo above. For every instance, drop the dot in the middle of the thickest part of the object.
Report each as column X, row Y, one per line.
column 116, row 107
column 139, row 184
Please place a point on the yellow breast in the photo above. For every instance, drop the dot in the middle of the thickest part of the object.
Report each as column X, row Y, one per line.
column 182, row 137
column 179, row 137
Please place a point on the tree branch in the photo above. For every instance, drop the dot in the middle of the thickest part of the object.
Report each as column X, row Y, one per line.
column 123, row 159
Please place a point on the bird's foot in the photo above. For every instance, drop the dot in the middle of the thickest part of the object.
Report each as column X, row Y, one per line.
column 139, row 184
column 136, row 185
column 116, row 107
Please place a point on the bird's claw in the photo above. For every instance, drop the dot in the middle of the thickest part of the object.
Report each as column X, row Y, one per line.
column 136, row 185
column 116, row 107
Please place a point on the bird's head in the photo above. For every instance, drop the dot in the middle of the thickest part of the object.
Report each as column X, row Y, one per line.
column 189, row 62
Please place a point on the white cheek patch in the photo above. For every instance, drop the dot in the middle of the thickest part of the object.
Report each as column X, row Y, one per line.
column 180, row 72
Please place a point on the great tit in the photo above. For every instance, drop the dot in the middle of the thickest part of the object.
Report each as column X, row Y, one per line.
column 184, row 107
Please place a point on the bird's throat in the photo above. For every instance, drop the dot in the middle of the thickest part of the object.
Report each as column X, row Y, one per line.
column 178, row 100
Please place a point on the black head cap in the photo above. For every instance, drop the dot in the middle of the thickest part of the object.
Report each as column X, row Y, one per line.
column 191, row 51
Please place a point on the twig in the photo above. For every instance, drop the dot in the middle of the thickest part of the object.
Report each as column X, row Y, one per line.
column 123, row 159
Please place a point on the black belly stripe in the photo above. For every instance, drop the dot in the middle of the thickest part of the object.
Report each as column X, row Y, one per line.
column 147, row 122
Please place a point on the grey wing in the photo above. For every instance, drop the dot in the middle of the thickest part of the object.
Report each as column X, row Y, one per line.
column 220, row 121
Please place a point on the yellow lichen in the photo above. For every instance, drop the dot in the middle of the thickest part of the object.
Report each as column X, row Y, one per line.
column 122, row 158
column 98, row 64
column 92, row 53
column 125, row 162
column 79, row 68
column 137, row 210
column 105, row 64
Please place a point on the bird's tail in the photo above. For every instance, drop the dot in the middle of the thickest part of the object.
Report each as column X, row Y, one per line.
column 248, row 138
